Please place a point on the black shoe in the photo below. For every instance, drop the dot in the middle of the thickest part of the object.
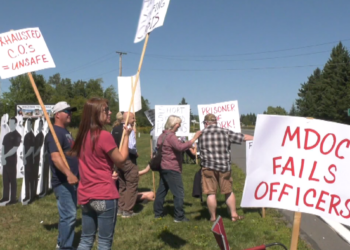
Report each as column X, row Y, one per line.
column 184, row 219
column 4, row 200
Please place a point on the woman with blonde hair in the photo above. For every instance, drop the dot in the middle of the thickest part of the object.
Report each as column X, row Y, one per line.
column 97, row 191
column 171, row 168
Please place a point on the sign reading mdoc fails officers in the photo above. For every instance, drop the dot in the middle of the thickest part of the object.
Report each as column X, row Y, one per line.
column 164, row 111
column 227, row 115
column 301, row 165
column 23, row 51
column 152, row 16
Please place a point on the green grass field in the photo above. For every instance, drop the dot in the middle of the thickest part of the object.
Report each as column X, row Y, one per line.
column 34, row 226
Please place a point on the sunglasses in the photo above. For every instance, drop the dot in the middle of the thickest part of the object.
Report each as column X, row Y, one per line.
column 107, row 110
column 69, row 112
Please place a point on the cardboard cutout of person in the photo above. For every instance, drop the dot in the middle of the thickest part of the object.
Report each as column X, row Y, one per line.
column 39, row 141
column 44, row 166
column 28, row 191
column 9, row 149
column 4, row 130
column 20, row 130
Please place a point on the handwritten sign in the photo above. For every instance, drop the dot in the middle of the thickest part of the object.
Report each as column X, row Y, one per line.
column 23, row 51
column 164, row 111
column 301, row 165
column 152, row 16
column 150, row 114
column 125, row 93
column 227, row 115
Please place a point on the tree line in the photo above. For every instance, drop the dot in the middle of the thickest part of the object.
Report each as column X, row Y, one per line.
column 57, row 89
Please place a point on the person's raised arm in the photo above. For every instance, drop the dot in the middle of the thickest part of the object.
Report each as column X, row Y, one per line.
column 196, row 136
column 248, row 137
column 119, row 157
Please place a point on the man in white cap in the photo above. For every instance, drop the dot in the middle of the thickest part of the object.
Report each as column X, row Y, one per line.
column 63, row 179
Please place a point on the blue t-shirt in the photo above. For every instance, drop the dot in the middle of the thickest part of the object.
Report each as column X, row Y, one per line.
column 66, row 141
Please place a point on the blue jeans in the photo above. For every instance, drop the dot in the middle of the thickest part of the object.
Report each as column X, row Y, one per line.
column 101, row 214
column 66, row 196
column 170, row 180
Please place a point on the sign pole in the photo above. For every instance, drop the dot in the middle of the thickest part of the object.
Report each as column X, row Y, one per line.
column 295, row 232
column 134, row 87
column 47, row 119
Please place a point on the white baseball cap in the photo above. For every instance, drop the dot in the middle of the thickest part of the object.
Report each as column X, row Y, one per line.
column 60, row 106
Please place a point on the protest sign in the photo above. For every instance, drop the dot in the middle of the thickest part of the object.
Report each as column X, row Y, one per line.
column 301, row 165
column 227, row 115
column 248, row 152
column 23, row 51
column 150, row 116
column 164, row 111
column 152, row 16
column 125, row 93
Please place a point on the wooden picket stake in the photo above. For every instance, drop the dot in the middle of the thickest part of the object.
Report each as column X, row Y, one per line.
column 48, row 119
column 134, row 87
column 296, row 230
column 263, row 212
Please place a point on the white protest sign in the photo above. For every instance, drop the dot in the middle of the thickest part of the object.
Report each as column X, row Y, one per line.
column 227, row 115
column 152, row 16
column 23, row 51
column 301, row 165
column 164, row 111
column 125, row 93
column 150, row 114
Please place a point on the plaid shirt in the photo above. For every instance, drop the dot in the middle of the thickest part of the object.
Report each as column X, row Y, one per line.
column 215, row 147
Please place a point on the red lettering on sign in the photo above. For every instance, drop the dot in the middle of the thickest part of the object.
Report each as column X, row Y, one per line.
column 306, row 147
column 274, row 163
column 306, row 194
column 329, row 170
column 291, row 169
column 347, row 207
column 311, row 176
column 322, row 143
column 257, row 189
column 320, row 200
column 333, row 204
column 291, row 136
column 272, row 190
column 284, row 191
column 338, row 147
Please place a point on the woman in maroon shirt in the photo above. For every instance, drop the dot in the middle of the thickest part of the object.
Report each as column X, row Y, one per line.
column 97, row 191
column 171, row 168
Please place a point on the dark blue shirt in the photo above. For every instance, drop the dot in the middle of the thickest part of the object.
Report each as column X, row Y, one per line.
column 66, row 141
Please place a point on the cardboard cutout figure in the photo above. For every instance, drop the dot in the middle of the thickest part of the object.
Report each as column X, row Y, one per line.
column 4, row 130
column 28, row 186
column 20, row 130
column 43, row 184
column 9, row 149
column 39, row 140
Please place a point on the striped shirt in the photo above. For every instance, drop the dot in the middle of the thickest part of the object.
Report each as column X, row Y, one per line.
column 215, row 147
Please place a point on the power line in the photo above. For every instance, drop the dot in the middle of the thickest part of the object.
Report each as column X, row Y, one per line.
column 246, row 54
column 91, row 63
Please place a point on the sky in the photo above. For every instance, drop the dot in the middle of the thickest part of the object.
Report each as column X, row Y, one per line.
column 257, row 52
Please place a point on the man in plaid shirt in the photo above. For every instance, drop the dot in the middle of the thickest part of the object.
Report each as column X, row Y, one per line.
column 215, row 153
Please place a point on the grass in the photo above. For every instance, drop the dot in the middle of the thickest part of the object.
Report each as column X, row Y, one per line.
column 35, row 226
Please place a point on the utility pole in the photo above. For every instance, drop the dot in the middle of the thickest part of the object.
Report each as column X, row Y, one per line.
column 120, row 61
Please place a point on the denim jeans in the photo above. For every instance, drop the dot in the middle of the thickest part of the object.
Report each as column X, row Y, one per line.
column 170, row 180
column 101, row 215
column 66, row 196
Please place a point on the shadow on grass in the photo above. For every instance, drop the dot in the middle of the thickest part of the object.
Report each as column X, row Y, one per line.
column 172, row 240
column 49, row 227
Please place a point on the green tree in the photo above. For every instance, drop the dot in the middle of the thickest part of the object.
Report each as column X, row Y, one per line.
column 275, row 111
column 183, row 102
column 326, row 95
column 293, row 111
column 141, row 118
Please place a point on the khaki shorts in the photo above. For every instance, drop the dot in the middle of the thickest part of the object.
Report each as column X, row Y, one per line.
column 212, row 178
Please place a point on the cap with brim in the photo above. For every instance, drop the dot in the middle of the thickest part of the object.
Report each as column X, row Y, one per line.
column 60, row 106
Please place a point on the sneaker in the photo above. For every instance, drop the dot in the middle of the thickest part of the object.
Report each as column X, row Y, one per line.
column 120, row 213
column 128, row 215
column 184, row 219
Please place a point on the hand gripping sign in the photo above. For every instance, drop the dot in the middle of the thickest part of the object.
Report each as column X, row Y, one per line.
column 152, row 16
column 23, row 51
